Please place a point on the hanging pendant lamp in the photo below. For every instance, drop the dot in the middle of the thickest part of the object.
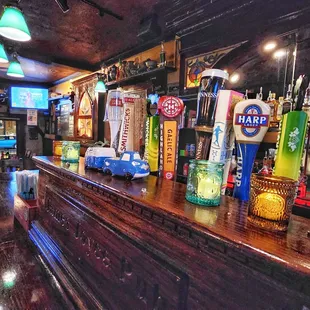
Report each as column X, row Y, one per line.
column 3, row 55
column 13, row 25
column 15, row 69
column 100, row 87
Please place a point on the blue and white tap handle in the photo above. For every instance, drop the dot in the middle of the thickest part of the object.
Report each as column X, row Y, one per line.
column 246, row 154
column 251, row 122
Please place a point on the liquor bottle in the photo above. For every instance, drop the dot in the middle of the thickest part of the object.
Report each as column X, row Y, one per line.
column 280, row 108
column 259, row 95
column 270, row 102
column 288, row 102
column 162, row 55
column 306, row 104
column 275, row 106
column 246, row 95
column 307, row 96
column 265, row 169
column 255, row 168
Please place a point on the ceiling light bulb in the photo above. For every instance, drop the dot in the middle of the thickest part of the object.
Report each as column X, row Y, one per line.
column 15, row 69
column 9, row 278
column 13, row 25
column 269, row 46
column 234, row 78
column 279, row 53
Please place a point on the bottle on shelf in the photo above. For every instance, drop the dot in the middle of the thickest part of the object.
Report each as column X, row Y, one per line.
column 185, row 169
column 306, row 104
column 255, row 167
column 246, row 95
column 276, row 107
column 162, row 55
column 270, row 162
column 265, row 170
column 259, row 95
column 280, row 108
column 270, row 101
column 288, row 102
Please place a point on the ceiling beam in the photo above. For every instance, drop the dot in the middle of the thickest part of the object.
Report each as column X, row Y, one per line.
column 8, row 82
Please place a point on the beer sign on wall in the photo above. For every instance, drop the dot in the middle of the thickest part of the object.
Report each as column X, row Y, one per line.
column 170, row 109
column 194, row 66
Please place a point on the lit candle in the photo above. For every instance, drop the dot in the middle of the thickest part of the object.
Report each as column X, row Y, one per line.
column 209, row 188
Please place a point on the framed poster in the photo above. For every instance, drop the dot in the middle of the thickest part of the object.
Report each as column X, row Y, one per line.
column 194, row 66
column 32, row 117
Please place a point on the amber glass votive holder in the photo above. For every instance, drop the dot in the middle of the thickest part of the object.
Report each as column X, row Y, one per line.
column 57, row 148
column 271, row 201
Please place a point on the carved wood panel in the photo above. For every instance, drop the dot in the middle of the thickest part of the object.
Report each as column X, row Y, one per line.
column 110, row 263
column 219, row 274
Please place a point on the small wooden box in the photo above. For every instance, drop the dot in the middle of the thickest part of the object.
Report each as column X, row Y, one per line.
column 25, row 211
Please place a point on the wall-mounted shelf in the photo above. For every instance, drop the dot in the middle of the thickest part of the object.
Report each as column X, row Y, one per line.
column 271, row 137
column 59, row 97
column 140, row 77
column 204, row 129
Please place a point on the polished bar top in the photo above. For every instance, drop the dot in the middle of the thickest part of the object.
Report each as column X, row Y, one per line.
column 226, row 223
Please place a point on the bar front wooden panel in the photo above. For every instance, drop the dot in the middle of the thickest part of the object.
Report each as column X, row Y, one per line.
column 117, row 247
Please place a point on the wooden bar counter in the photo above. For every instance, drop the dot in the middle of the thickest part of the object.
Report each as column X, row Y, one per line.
column 115, row 244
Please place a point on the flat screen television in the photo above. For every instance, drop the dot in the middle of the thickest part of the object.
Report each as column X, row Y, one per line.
column 29, row 98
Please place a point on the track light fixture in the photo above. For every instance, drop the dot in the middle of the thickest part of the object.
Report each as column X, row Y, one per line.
column 63, row 4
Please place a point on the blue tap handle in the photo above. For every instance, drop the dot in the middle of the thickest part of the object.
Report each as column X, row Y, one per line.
column 246, row 154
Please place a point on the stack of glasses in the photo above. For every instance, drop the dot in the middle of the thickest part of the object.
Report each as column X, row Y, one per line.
column 27, row 184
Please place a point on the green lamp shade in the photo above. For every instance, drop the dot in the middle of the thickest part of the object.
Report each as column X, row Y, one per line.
column 100, row 87
column 15, row 70
column 13, row 25
column 3, row 56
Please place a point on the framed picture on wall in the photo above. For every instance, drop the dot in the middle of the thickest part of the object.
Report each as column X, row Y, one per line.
column 194, row 66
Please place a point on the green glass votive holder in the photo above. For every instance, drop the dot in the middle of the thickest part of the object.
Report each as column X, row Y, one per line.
column 204, row 183
column 71, row 151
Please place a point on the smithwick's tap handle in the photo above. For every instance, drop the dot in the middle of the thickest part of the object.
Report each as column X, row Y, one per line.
column 251, row 122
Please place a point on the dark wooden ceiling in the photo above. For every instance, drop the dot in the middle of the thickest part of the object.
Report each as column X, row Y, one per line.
column 82, row 39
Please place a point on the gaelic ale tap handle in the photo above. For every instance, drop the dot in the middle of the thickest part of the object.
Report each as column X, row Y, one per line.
column 251, row 122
